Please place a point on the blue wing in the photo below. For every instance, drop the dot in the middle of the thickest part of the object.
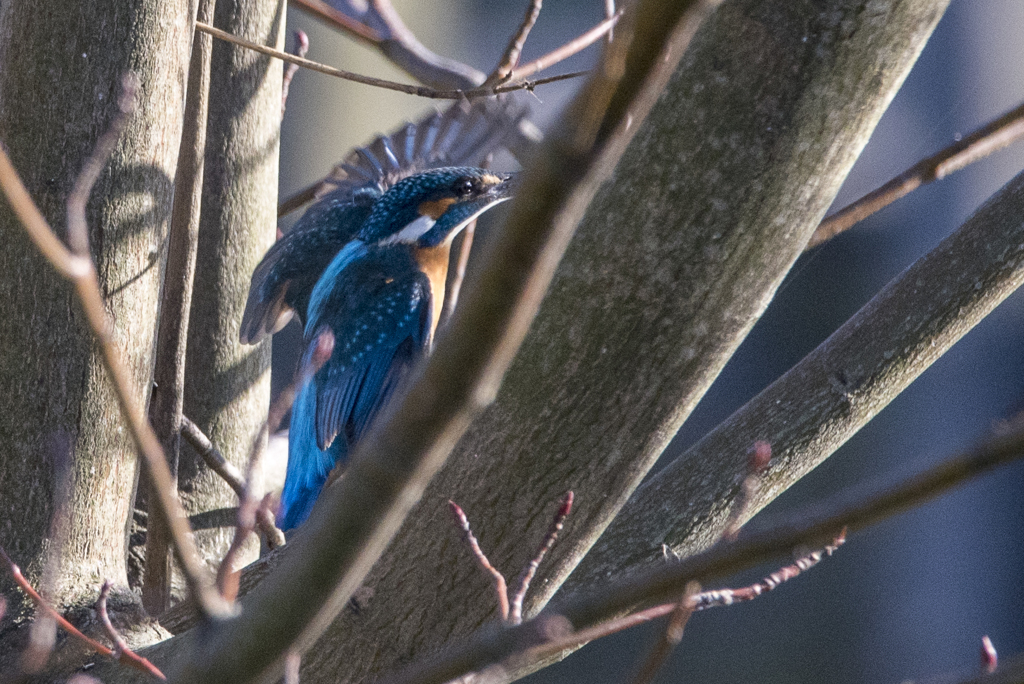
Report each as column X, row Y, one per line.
column 283, row 282
column 378, row 306
column 379, row 313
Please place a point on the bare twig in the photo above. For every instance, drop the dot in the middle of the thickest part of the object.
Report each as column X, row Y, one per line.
column 212, row 456
column 167, row 402
column 78, row 267
column 989, row 657
column 609, row 12
column 575, row 45
column 564, row 508
column 500, row 586
column 991, row 137
column 760, row 455
column 510, row 59
column 421, row 91
column 532, row 640
column 133, row 660
column 122, row 653
column 667, row 642
column 301, row 48
column 465, row 247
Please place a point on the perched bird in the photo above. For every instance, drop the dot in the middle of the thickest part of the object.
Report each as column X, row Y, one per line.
column 464, row 135
column 378, row 301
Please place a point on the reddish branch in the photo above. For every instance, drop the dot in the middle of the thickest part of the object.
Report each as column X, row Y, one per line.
column 512, row 611
column 301, row 48
column 670, row 639
column 760, row 455
column 993, row 136
column 500, row 586
column 564, row 508
column 123, row 654
column 989, row 657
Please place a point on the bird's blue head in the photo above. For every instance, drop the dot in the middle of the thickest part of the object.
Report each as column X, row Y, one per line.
column 430, row 208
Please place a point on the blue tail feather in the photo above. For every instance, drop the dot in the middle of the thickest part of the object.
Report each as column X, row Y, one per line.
column 308, row 465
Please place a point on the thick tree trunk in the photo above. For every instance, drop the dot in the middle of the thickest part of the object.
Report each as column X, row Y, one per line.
column 227, row 385
column 61, row 65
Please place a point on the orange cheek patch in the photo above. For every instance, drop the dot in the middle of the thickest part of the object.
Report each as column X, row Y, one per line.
column 435, row 208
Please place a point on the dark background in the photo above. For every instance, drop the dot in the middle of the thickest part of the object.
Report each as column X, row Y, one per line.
column 908, row 598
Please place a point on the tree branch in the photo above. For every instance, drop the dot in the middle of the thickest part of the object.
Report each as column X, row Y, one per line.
column 176, row 302
column 990, row 138
column 420, row 91
column 510, row 59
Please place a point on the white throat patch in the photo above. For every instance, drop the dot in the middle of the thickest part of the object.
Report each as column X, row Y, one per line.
column 412, row 232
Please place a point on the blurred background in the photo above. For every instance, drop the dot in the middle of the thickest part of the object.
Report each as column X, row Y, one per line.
column 909, row 598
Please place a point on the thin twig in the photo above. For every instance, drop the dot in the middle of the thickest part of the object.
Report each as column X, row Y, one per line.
column 609, row 12
column 500, row 586
column 168, row 398
column 301, row 48
column 122, row 657
column 989, row 657
column 575, row 45
column 531, row 641
column 510, row 59
column 465, row 247
column 991, row 137
column 122, row 653
column 420, row 91
column 212, row 456
column 564, row 508
column 760, row 456
column 78, row 268
column 667, row 642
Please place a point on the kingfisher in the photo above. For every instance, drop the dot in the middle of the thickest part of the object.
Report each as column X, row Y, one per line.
column 378, row 301
column 282, row 284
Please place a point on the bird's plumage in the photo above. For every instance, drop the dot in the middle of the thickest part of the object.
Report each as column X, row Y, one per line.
column 378, row 301
column 282, row 284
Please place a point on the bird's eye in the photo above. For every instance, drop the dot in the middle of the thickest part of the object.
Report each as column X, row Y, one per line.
column 465, row 188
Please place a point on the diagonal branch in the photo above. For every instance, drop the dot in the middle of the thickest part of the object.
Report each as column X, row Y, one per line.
column 510, row 59
column 990, row 138
column 420, row 91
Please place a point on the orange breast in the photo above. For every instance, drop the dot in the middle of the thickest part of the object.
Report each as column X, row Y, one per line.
column 433, row 262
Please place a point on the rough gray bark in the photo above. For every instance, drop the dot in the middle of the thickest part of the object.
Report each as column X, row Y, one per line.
column 60, row 76
column 227, row 384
